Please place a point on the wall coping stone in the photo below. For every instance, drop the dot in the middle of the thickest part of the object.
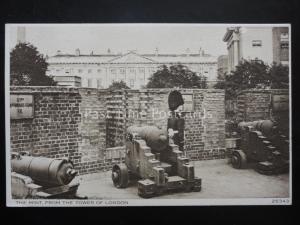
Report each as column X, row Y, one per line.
column 43, row 89
column 61, row 89
column 268, row 91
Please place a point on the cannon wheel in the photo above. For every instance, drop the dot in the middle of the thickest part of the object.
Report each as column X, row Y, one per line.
column 238, row 159
column 120, row 176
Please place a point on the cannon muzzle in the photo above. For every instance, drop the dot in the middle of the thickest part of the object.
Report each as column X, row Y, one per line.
column 44, row 171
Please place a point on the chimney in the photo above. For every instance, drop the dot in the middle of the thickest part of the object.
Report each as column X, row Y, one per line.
column 77, row 52
column 108, row 51
column 58, row 52
column 200, row 51
column 156, row 52
column 92, row 53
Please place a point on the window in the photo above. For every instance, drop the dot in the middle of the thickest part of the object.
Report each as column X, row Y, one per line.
column 256, row 43
column 131, row 70
column 90, row 81
column 80, row 71
column 113, row 71
column 122, row 71
column 89, row 70
column 99, row 71
column 284, row 37
column 131, row 84
column 99, row 83
column 141, row 77
column 284, row 40
column 67, row 70
column 284, row 45
column 141, row 70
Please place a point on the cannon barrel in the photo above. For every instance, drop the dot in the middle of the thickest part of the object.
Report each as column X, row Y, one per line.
column 44, row 171
column 265, row 126
column 154, row 137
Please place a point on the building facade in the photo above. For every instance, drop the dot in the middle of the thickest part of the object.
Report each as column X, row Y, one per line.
column 269, row 44
column 222, row 66
column 99, row 71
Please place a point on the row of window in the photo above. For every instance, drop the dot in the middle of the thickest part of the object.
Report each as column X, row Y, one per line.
column 284, row 41
column 90, row 83
column 123, row 70
column 99, row 83
column 258, row 43
column 112, row 71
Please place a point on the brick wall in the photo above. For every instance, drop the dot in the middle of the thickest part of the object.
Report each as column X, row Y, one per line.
column 54, row 129
column 92, row 129
column 204, row 126
column 115, row 105
column 257, row 104
column 205, row 135
column 88, row 125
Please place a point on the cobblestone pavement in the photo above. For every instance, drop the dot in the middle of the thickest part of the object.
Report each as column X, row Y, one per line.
column 219, row 180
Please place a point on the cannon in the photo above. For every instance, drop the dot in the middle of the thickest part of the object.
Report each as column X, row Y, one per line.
column 41, row 177
column 263, row 144
column 156, row 162
column 155, row 158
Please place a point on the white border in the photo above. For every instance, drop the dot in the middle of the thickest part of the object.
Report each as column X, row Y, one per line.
column 136, row 202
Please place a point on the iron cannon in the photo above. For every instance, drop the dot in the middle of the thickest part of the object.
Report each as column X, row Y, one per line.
column 41, row 177
column 44, row 171
column 155, row 158
column 157, row 164
column 263, row 144
column 155, row 138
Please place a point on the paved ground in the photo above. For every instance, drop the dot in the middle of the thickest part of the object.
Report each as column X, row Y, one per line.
column 219, row 180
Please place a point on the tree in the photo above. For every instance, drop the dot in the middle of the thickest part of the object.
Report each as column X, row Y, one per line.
column 254, row 74
column 221, row 81
column 279, row 76
column 248, row 74
column 28, row 67
column 118, row 85
column 176, row 76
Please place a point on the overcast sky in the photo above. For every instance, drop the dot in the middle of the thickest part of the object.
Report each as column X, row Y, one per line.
column 121, row 38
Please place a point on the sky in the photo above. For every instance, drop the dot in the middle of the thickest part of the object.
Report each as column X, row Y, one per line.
column 121, row 38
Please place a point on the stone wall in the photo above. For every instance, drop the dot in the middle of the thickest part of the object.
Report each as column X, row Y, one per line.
column 88, row 125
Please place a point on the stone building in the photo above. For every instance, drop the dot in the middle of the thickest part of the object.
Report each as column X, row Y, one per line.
column 269, row 44
column 100, row 70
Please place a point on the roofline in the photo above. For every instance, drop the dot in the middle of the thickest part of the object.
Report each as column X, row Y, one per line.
column 131, row 52
column 162, row 63
column 228, row 33
column 143, row 55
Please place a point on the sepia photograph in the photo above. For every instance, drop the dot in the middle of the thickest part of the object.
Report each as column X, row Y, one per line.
column 148, row 114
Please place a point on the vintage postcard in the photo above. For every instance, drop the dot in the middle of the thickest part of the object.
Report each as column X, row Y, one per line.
column 148, row 114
